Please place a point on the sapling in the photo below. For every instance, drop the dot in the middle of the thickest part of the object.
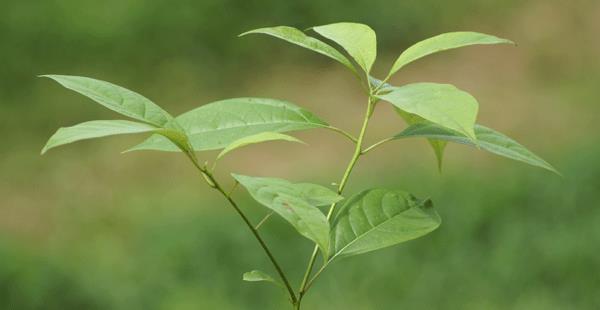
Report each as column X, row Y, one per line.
column 366, row 221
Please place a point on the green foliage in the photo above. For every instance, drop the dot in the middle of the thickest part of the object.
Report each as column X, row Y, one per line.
column 357, row 39
column 379, row 218
column 95, row 129
column 296, row 203
column 298, row 37
column 443, row 42
column 487, row 139
column 259, row 276
column 370, row 220
column 216, row 125
column 442, row 104
column 257, row 138
column 116, row 98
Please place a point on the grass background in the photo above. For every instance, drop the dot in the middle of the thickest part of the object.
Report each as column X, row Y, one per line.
column 85, row 227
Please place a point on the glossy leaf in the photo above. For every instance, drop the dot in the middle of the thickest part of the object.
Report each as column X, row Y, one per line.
column 358, row 40
column 259, row 276
column 442, row 104
column 95, row 129
column 443, row 42
column 295, row 36
column 218, row 124
column 296, row 203
column 379, row 218
column 116, row 98
column 257, row 138
column 488, row 139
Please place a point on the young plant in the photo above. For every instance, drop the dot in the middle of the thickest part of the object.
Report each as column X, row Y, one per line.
column 366, row 221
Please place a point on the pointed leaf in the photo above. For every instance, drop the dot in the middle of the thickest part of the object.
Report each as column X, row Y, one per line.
column 258, row 276
column 443, row 42
column 257, row 138
column 296, row 203
column 116, row 98
column 438, row 145
column 442, row 104
column 488, row 139
column 358, row 40
column 95, row 129
column 379, row 218
column 298, row 37
column 216, row 125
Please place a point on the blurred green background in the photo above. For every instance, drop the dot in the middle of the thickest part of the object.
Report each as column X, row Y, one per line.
column 86, row 227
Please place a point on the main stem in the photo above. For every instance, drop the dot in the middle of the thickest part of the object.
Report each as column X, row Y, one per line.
column 356, row 155
column 212, row 182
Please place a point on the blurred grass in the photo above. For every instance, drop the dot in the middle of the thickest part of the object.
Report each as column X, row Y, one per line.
column 87, row 228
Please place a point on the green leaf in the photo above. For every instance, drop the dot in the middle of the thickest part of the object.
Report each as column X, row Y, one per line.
column 488, row 139
column 296, row 203
column 116, row 98
column 216, row 125
column 358, row 40
column 258, row 276
column 298, row 37
column 95, row 129
column 379, row 218
column 257, row 138
column 443, row 42
column 438, row 145
column 442, row 104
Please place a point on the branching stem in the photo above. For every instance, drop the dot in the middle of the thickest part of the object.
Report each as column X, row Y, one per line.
column 342, row 184
column 212, row 182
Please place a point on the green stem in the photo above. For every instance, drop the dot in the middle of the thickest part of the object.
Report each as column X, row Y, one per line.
column 212, row 182
column 342, row 184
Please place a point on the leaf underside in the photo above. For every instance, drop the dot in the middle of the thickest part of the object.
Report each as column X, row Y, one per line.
column 487, row 139
column 296, row 202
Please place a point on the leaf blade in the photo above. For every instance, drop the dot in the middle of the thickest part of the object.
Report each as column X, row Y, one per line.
column 358, row 40
column 296, row 203
column 260, row 276
column 297, row 37
column 443, row 42
column 379, row 218
column 487, row 138
column 442, row 104
column 217, row 124
column 257, row 138
column 116, row 98
column 94, row 129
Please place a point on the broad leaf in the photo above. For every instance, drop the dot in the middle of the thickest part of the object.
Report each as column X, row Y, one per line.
column 296, row 203
column 95, row 129
column 443, row 42
column 218, row 124
column 437, row 145
column 488, row 139
column 257, row 138
column 379, row 218
column 442, row 104
column 258, row 276
column 298, row 37
column 116, row 98
column 358, row 40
